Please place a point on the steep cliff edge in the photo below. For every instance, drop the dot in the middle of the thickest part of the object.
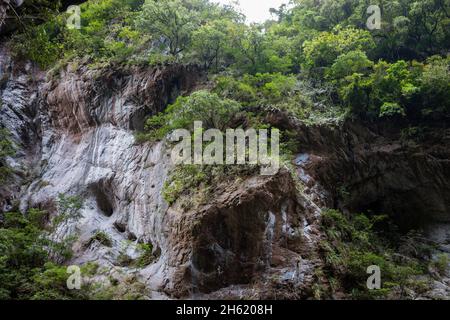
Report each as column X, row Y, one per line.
column 258, row 238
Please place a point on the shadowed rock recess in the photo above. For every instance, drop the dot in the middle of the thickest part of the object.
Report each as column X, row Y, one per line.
column 257, row 238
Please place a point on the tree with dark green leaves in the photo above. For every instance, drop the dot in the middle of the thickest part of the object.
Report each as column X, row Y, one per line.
column 27, row 268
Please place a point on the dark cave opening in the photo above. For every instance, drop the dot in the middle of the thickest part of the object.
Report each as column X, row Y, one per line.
column 103, row 198
column 408, row 210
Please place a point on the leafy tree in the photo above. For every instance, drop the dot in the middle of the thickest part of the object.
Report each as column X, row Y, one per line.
column 393, row 86
column 435, row 86
column 356, row 94
column 232, row 88
column 41, row 49
column 272, row 87
column 410, row 28
column 24, row 269
column 322, row 51
column 391, row 109
column 32, row 12
column 352, row 244
column 210, row 42
column 170, row 22
column 349, row 63
column 258, row 89
column 202, row 105
column 279, row 56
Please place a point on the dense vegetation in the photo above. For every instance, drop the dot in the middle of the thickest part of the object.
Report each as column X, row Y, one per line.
column 33, row 254
column 6, row 149
column 398, row 71
column 317, row 61
column 30, row 257
column 354, row 243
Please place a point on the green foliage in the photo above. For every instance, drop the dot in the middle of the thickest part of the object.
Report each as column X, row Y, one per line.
column 232, row 88
column 196, row 184
column 102, row 238
column 410, row 29
column 89, row 269
column 441, row 264
column 6, row 150
column 36, row 11
column 210, row 42
column 24, row 254
column 352, row 245
column 259, row 89
column 327, row 39
column 272, row 87
column 196, row 30
column 322, row 51
column 50, row 283
column 127, row 288
column 182, row 180
column 146, row 256
column 317, row 62
column 36, row 44
column 389, row 109
column 123, row 259
column 170, row 20
column 349, row 63
column 398, row 89
column 254, row 51
column 435, row 86
column 202, row 105
column 355, row 94
column 107, row 34
column 68, row 208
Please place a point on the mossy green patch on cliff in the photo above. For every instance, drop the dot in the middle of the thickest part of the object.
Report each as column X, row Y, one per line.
column 195, row 184
column 101, row 237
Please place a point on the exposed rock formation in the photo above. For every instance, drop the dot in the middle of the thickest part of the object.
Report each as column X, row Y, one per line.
column 75, row 135
column 371, row 166
column 252, row 231
column 4, row 6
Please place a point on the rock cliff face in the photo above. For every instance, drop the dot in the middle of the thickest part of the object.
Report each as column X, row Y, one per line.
column 257, row 238
column 373, row 168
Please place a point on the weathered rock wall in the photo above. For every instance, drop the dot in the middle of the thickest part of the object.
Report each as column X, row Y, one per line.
column 257, row 238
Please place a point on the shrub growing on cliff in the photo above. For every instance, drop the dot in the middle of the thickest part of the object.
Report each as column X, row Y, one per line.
column 37, row 45
column 146, row 256
column 196, row 184
column 6, row 150
column 101, row 237
column 441, row 264
column 352, row 245
column 213, row 111
column 24, row 269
